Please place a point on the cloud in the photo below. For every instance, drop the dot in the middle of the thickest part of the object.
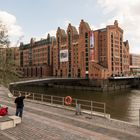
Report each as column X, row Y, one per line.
column 127, row 14
column 14, row 30
column 66, row 23
column 44, row 36
column 52, row 33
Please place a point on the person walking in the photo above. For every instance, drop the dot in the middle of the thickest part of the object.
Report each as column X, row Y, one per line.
column 20, row 104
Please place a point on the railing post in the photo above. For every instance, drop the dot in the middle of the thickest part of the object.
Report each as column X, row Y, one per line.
column 75, row 102
column 104, row 109
column 63, row 101
column 91, row 107
column 42, row 97
column 139, row 117
column 76, row 106
column 13, row 92
column 51, row 99
column 33, row 96
column 25, row 93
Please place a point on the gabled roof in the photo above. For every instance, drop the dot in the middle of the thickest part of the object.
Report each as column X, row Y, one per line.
column 126, row 44
column 87, row 25
column 62, row 31
column 75, row 32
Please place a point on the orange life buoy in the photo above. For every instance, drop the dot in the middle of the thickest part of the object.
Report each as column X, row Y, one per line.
column 68, row 100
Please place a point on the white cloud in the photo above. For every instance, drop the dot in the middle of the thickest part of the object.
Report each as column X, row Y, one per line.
column 127, row 14
column 14, row 30
column 66, row 23
column 51, row 32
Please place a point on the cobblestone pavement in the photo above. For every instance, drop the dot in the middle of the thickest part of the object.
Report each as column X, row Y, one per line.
column 41, row 122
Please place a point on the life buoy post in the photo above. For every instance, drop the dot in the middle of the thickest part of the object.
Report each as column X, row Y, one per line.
column 68, row 100
column 78, row 109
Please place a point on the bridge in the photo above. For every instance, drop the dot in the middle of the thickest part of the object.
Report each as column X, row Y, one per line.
column 50, row 80
column 56, row 79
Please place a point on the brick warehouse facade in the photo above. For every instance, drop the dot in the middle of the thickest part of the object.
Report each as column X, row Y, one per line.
column 36, row 58
column 10, row 53
column 89, row 54
column 135, row 64
column 112, row 52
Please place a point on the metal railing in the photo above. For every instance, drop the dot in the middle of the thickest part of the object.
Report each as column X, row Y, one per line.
column 91, row 107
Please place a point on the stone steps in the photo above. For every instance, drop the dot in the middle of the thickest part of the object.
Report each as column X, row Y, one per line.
column 7, row 122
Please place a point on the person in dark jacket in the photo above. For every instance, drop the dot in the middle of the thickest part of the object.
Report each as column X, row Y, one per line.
column 20, row 104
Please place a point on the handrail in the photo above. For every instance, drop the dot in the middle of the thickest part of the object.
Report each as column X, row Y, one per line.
column 91, row 106
column 90, row 101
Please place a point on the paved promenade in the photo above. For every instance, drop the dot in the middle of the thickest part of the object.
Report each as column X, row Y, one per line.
column 42, row 122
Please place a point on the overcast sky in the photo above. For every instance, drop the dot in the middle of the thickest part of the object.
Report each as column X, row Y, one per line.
column 36, row 18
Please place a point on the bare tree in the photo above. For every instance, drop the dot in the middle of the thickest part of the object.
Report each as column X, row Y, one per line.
column 7, row 68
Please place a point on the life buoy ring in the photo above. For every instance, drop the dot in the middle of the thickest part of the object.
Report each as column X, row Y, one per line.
column 68, row 100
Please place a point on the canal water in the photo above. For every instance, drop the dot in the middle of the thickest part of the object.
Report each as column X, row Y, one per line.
column 123, row 105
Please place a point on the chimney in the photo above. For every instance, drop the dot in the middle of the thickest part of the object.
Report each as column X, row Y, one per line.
column 116, row 22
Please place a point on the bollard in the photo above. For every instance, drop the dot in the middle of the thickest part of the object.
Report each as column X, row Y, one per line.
column 78, row 109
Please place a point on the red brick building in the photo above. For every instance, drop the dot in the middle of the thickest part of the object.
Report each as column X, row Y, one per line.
column 135, row 64
column 12, row 54
column 36, row 58
column 85, row 53
column 91, row 54
column 111, row 52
